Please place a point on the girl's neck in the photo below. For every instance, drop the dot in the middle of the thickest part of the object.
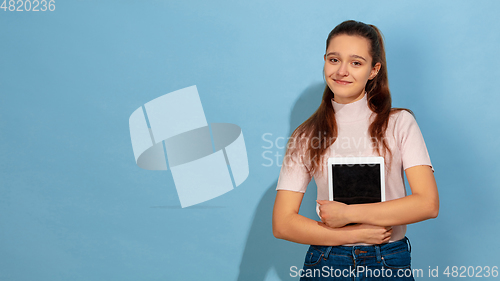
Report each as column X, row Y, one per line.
column 352, row 112
column 347, row 100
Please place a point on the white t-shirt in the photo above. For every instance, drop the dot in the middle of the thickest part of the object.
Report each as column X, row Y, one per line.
column 403, row 137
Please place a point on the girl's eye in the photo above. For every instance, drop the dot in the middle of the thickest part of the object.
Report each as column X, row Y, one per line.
column 334, row 60
column 356, row 63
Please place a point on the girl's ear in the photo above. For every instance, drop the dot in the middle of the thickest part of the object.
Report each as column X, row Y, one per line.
column 375, row 70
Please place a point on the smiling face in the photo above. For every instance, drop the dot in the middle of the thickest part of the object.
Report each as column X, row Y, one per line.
column 348, row 67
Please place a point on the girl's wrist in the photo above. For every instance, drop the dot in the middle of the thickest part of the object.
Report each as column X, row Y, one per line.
column 356, row 235
column 351, row 214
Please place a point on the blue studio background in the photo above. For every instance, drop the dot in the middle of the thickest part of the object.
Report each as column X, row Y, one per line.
column 75, row 206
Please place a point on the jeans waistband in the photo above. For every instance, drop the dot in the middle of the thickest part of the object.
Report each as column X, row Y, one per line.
column 366, row 250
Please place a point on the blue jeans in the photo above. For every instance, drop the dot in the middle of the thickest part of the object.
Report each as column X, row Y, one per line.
column 375, row 262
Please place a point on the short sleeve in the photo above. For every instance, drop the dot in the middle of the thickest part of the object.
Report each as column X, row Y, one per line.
column 294, row 174
column 411, row 142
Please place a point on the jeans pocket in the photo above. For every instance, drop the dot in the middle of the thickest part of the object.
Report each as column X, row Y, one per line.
column 313, row 256
column 399, row 260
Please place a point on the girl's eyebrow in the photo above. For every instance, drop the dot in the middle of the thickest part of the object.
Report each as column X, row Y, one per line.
column 352, row 56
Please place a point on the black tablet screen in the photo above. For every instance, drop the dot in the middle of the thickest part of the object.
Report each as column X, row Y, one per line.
column 356, row 183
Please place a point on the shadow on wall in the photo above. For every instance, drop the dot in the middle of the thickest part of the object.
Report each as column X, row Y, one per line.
column 262, row 250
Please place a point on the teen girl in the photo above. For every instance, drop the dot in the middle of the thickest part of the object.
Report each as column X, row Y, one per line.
column 355, row 118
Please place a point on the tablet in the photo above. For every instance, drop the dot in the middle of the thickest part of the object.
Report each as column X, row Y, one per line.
column 356, row 180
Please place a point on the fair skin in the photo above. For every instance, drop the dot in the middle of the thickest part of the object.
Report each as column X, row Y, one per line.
column 348, row 66
column 421, row 205
column 289, row 225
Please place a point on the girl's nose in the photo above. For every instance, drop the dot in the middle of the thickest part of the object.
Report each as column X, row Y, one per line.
column 342, row 71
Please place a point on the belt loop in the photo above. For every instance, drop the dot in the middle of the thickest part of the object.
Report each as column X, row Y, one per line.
column 377, row 251
column 408, row 243
column 327, row 253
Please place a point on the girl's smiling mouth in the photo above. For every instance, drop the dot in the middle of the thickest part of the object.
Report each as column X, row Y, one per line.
column 342, row 82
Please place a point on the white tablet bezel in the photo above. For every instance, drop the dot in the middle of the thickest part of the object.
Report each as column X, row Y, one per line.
column 357, row 160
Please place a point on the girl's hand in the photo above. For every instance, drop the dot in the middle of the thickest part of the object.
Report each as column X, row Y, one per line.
column 333, row 213
column 372, row 234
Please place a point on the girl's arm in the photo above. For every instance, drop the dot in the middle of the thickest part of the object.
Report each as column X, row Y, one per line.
column 421, row 205
column 289, row 225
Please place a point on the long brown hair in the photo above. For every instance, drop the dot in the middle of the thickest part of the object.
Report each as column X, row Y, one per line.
column 318, row 132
